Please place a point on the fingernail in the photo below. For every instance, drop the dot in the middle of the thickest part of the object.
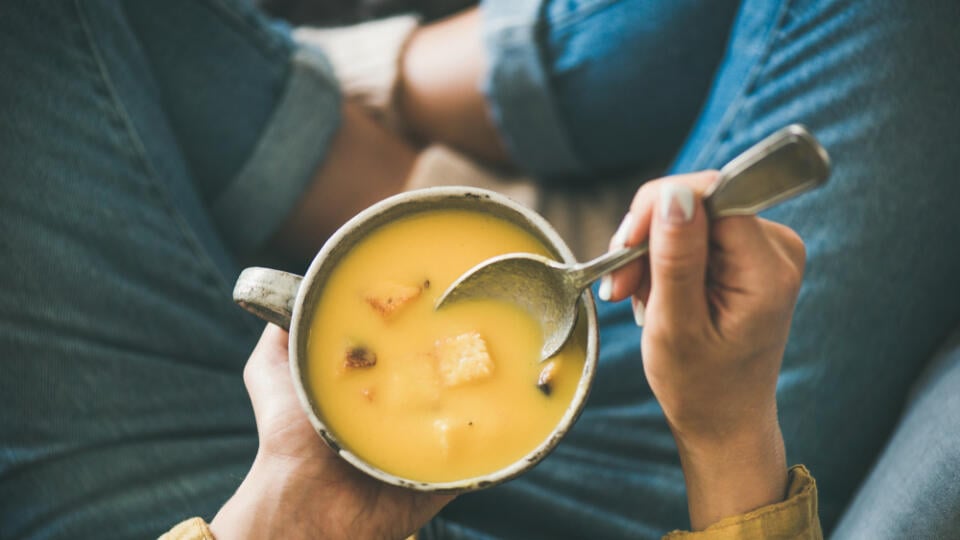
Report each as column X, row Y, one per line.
column 676, row 203
column 639, row 311
column 606, row 288
column 619, row 239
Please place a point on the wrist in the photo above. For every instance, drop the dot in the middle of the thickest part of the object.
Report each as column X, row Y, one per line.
column 734, row 474
column 264, row 504
column 730, row 429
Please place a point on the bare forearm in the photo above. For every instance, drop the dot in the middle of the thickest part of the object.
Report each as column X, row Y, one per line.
column 267, row 503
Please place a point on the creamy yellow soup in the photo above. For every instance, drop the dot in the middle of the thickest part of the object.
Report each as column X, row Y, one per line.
column 434, row 396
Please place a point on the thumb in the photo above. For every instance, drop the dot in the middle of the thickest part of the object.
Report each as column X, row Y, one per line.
column 266, row 374
column 678, row 256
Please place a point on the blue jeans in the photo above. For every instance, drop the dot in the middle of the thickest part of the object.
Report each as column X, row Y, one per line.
column 876, row 82
column 145, row 148
column 912, row 490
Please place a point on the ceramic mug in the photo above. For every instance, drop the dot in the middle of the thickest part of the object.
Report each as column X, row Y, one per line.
column 289, row 301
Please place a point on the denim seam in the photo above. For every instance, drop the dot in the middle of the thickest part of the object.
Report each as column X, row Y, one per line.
column 140, row 154
column 734, row 108
column 559, row 23
column 763, row 62
column 268, row 43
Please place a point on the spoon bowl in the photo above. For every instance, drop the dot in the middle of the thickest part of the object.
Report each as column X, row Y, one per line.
column 780, row 167
column 535, row 283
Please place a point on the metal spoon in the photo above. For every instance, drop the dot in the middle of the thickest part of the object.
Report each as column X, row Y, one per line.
column 780, row 167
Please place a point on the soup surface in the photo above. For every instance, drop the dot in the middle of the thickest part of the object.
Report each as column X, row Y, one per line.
column 434, row 396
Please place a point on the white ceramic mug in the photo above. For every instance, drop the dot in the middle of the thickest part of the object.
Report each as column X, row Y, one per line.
column 289, row 301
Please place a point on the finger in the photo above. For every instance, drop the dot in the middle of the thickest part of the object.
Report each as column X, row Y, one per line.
column 618, row 284
column 738, row 236
column 792, row 257
column 639, row 300
column 642, row 291
column 787, row 242
column 755, row 266
column 678, row 257
column 646, row 199
column 267, row 371
column 635, row 224
column 635, row 229
column 747, row 251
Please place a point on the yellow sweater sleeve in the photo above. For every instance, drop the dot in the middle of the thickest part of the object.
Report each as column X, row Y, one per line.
column 191, row 529
column 196, row 529
column 795, row 518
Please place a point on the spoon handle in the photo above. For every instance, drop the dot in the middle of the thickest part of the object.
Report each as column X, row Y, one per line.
column 780, row 167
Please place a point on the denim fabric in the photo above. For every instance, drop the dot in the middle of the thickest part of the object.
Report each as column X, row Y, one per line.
column 121, row 402
column 876, row 82
column 517, row 88
column 614, row 88
column 122, row 407
column 912, row 491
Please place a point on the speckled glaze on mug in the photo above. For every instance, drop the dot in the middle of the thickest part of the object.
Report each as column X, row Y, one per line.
column 289, row 301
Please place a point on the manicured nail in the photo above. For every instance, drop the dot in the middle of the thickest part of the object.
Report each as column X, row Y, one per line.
column 639, row 311
column 620, row 237
column 676, row 203
column 606, row 288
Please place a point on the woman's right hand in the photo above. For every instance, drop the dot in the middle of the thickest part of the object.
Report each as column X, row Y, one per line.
column 716, row 300
column 297, row 487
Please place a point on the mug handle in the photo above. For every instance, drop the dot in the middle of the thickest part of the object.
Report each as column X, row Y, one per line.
column 268, row 294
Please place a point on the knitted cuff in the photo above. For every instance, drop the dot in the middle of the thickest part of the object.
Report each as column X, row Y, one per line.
column 438, row 165
column 191, row 529
column 584, row 218
column 366, row 60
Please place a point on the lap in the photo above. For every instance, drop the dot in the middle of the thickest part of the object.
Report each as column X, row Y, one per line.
column 122, row 406
column 878, row 297
column 882, row 268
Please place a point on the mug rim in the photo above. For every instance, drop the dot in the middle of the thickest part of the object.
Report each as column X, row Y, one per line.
column 351, row 227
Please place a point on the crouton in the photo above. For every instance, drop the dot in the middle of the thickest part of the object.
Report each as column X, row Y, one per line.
column 388, row 297
column 462, row 359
